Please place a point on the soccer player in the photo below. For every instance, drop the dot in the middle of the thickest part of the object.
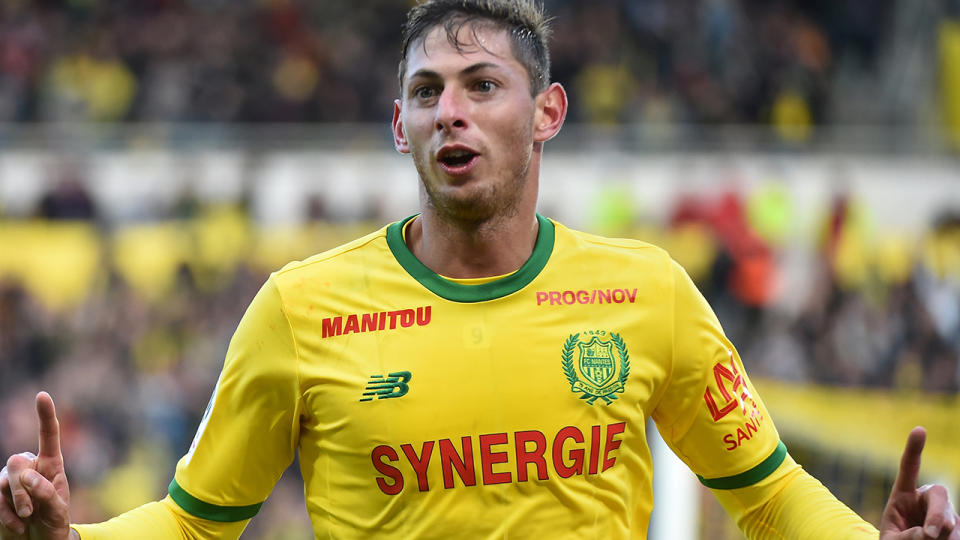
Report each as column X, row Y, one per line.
column 477, row 369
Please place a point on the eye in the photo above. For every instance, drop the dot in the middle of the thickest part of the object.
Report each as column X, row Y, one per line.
column 485, row 86
column 424, row 92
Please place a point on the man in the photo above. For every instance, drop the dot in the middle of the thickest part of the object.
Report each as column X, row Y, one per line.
column 476, row 370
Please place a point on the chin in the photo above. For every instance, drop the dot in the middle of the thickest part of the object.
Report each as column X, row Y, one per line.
column 465, row 205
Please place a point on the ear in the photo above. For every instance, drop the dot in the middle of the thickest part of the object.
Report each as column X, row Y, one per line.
column 551, row 111
column 399, row 137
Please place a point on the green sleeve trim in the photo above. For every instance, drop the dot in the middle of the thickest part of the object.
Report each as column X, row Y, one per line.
column 212, row 512
column 748, row 478
column 458, row 292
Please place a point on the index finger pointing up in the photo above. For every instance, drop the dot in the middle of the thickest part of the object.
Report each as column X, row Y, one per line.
column 49, row 426
column 910, row 462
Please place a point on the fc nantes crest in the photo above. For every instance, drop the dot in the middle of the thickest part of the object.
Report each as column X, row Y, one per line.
column 598, row 367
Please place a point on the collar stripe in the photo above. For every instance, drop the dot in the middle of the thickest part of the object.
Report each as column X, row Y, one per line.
column 458, row 292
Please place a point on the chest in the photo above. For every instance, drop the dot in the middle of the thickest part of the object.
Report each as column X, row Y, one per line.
column 417, row 368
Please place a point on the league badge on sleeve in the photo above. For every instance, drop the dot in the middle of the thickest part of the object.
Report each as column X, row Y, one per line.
column 597, row 365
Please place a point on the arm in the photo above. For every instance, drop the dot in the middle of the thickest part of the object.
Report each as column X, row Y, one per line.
column 161, row 520
column 712, row 417
column 792, row 504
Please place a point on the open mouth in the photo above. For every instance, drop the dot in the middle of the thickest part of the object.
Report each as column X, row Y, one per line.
column 457, row 159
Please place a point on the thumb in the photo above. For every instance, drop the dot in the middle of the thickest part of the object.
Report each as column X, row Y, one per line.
column 913, row 533
column 51, row 518
column 47, row 501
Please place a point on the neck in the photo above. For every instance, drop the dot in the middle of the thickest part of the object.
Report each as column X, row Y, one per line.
column 473, row 250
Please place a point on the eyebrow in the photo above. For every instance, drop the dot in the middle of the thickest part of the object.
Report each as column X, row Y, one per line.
column 430, row 74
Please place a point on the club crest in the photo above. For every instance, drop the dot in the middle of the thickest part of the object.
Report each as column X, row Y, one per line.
column 596, row 366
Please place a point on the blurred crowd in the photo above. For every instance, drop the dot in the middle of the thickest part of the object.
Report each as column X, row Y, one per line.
column 876, row 312
column 689, row 61
column 131, row 377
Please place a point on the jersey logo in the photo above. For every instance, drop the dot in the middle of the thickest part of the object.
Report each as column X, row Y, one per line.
column 591, row 366
column 737, row 395
column 393, row 386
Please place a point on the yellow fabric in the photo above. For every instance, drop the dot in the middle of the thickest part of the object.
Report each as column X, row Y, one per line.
column 791, row 504
column 527, row 408
column 162, row 520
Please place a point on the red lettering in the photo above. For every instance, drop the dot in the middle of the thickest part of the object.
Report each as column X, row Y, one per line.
column 525, row 457
column 632, row 295
column 488, row 459
column 742, row 436
column 555, row 298
column 332, row 327
column 583, row 297
column 369, row 323
column 619, row 296
column 715, row 412
column 721, row 374
column 542, row 297
column 751, row 427
column 612, row 431
column 352, row 326
column 594, row 448
column 450, row 459
column 420, row 463
column 569, row 298
column 604, row 296
column 731, row 444
column 576, row 454
column 387, row 470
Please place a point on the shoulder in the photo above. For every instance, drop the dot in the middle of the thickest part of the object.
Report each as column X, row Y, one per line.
column 627, row 250
column 364, row 250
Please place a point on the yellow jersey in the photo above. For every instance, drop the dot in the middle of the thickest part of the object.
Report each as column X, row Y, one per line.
column 424, row 408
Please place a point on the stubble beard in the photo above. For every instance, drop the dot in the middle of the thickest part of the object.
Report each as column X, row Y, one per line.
column 479, row 201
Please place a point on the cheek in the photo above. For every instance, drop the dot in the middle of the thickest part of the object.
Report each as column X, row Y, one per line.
column 515, row 135
column 417, row 128
column 418, row 139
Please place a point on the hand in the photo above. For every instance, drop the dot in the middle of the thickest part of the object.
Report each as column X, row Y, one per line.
column 917, row 513
column 34, row 495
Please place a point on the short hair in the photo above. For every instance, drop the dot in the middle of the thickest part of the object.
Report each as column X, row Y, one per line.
column 523, row 20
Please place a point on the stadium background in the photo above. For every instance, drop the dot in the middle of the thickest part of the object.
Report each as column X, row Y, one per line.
column 801, row 159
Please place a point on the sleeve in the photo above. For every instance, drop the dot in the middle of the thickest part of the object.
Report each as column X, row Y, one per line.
column 792, row 504
column 709, row 413
column 249, row 433
column 712, row 417
column 164, row 520
column 246, row 439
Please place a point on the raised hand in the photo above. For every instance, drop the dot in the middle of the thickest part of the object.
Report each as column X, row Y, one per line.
column 34, row 494
column 914, row 513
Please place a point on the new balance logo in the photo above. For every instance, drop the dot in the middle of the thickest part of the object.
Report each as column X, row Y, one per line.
column 393, row 386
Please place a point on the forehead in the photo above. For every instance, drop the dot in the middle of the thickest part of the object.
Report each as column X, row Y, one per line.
column 469, row 44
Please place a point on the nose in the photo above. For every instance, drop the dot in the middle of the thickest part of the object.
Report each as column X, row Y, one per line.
column 451, row 111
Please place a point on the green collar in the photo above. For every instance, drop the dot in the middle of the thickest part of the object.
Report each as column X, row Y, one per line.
column 458, row 292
